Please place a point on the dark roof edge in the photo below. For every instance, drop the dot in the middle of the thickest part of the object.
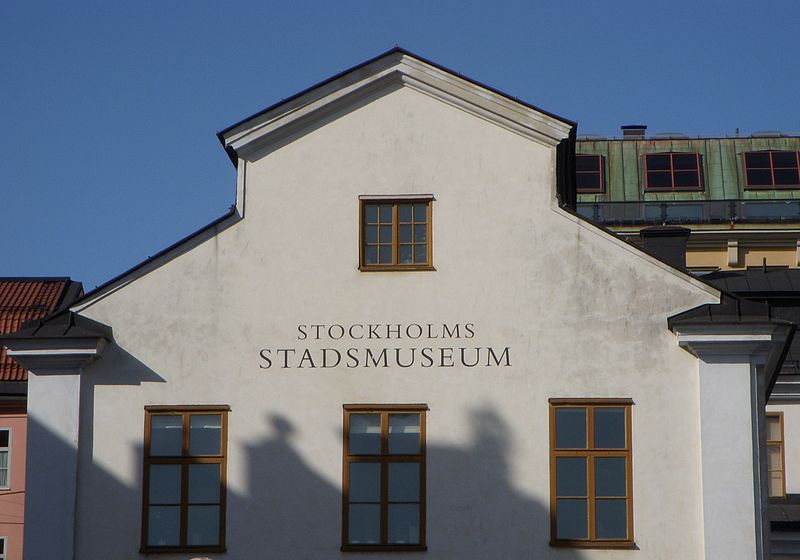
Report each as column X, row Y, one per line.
column 775, row 366
column 232, row 154
column 230, row 213
column 35, row 279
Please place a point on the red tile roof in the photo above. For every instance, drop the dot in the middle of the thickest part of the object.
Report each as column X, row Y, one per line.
column 22, row 300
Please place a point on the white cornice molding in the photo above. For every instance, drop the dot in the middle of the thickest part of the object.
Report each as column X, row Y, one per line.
column 394, row 71
column 48, row 356
column 739, row 342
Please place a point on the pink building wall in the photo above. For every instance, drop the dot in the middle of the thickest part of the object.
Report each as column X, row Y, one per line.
column 12, row 499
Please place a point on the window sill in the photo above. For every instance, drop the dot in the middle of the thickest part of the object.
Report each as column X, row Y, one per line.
column 174, row 549
column 396, row 268
column 618, row 545
column 384, row 548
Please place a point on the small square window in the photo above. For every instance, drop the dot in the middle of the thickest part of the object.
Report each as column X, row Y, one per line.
column 590, row 173
column 395, row 234
column 590, row 473
column 5, row 458
column 673, row 171
column 184, row 479
column 384, row 478
column 772, row 170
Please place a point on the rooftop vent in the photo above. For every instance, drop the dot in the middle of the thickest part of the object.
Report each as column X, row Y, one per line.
column 767, row 134
column 633, row 131
column 670, row 136
column 589, row 137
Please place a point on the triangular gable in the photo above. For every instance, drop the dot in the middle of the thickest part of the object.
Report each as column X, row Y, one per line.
column 395, row 68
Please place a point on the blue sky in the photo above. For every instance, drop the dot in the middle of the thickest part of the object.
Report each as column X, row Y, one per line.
column 109, row 110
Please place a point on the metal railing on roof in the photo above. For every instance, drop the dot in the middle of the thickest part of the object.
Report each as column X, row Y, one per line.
column 691, row 212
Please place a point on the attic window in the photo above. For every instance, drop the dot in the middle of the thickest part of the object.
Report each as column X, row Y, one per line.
column 396, row 233
column 673, row 171
column 589, row 173
column 771, row 170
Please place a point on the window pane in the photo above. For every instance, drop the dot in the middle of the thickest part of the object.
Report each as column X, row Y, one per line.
column 420, row 233
column 571, row 476
column 572, row 519
column 204, row 484
column 4, row 436
column 385, row 254
column 370, row 234
column 164, row 526
column 403, row 524
column 404, row 434
column 386, row 213
column 609, row 428
column 165, row 484
column 166, row 435
column 420, row 213
column 774, row 460
column 757, row 159
column 609, row 476
column 759, row 177
column 4, row 459
column 404, row 212
column 203, row 525
column 364, row 524
column 587, row 163
column 588, row 180
column 365, row 434
column 405, row 233
column 611, row 519
column 420, row 254
column 774, row 428
column 687, row 179
column 784, row 159
column 365, row 482
column 386, row 234
column 787, row 177
column 403, row 482
column 370, row 255
column 370, row 213
column 657, row 162
column 571, row 428
column 775, row 484
column 405, row 254
column 4, row 475
column 684, row 161
column 659, row 179
column 205, row 434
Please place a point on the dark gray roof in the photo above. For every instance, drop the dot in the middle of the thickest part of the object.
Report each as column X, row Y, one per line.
column 62, row 325
column 758, row 282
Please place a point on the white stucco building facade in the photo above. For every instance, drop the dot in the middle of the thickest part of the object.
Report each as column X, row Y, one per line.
column 503, row 317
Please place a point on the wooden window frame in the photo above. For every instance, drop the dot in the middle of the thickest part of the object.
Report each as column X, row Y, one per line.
column 781, row 445
column 601, row 189
column 591, row 453
column 395, row 201
column 186, row 412
column 384, row 459
column 772, row 168
column 673, row 188
column 8, row 461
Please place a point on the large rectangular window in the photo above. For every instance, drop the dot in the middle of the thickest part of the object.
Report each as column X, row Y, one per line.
column 384, row 477
column 673, row 171
column 184, row 478
column 772, row 169
column 591, row 490
column 395, row 234
column 5, row 458
column 775, row 455
column 589, row 173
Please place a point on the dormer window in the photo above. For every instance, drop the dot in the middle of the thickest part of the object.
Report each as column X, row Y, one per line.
column 771, row 169
column 673, row 171
column 589, row 173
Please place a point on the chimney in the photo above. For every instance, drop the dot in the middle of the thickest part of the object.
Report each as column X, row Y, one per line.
column 667, row 243
column 633, row 131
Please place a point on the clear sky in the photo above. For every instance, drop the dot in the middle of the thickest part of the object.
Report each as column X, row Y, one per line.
column 109, row 110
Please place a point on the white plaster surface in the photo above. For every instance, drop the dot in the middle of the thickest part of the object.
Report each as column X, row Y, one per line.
column 583, row 316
